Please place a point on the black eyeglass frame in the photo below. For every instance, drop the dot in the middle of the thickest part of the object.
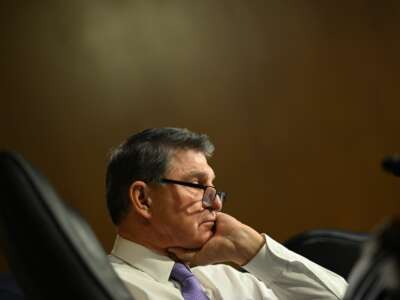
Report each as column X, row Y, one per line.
column 222, row 195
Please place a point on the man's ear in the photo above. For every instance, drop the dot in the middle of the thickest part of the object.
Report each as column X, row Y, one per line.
column 140, row 200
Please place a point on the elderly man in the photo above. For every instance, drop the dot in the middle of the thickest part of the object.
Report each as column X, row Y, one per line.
column 167, row 212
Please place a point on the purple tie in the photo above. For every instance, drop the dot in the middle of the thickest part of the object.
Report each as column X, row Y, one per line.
column 190, row 285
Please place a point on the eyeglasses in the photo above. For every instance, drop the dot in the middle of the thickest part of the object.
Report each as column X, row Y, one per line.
column 209, row 195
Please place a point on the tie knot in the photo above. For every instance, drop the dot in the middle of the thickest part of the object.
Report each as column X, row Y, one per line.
column 180, row 272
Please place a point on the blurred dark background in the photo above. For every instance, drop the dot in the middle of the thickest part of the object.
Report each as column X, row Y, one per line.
column 301, row 99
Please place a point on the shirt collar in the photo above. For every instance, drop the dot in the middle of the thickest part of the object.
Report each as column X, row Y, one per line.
column 157, row 266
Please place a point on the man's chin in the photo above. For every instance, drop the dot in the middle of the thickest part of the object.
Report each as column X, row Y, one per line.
column 202, row 239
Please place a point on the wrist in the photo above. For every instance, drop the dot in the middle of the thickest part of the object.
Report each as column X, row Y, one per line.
column 249, row 245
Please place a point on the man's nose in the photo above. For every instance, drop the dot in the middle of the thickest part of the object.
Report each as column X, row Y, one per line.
column 217, row 203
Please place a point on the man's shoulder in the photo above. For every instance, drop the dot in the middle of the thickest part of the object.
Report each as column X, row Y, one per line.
column 125, row 271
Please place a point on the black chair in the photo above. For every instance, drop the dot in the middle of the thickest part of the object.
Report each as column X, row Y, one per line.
column 51, row 250
column 333, row 249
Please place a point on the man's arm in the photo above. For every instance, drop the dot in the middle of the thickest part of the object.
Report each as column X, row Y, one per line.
column 290, row 275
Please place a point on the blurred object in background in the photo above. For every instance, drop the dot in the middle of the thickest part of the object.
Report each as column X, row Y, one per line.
column 377, row 273
column 9, row 289
column 391, row 164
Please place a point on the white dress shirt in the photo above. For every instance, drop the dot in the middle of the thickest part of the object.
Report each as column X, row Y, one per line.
column 274, row 273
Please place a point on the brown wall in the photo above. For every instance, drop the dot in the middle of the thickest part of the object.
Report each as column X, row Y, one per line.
column 301, row 98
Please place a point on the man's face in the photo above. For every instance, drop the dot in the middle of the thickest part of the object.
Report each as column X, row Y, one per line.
column 178, row 216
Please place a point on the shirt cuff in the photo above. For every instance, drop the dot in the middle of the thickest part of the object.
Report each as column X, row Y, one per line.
column 272, row 257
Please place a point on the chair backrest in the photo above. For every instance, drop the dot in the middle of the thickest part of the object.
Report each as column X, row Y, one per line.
column 333, row 249
column 51, row 250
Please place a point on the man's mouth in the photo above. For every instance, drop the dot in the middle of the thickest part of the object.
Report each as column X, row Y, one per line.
column 211, row 217
column 210, row 220
column 210, row 224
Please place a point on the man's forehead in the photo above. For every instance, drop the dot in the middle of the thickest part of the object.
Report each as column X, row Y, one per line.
column 190, row 163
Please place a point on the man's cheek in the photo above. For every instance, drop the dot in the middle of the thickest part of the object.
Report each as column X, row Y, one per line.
column 195, row 207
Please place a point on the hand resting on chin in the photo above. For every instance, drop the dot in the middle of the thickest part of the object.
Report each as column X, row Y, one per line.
column 232, row 241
